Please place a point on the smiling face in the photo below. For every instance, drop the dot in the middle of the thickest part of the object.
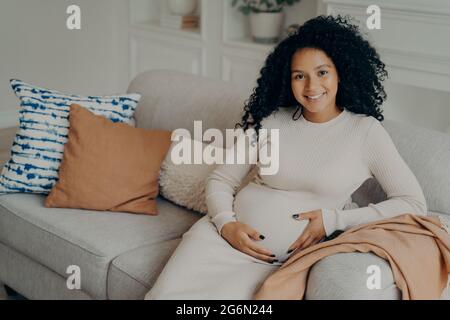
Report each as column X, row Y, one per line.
column 314, row 82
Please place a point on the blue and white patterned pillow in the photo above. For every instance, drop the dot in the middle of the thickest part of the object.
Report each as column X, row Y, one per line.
column 39, row 143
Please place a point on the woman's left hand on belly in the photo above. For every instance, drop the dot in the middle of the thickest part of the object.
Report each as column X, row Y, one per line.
column 313, row 233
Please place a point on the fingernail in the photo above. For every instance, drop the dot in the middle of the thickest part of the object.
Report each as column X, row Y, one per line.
column 276, row 260
column 270, row 262
column 295, row 216
column 261, row 237
column 272, row 255
column 289, row 251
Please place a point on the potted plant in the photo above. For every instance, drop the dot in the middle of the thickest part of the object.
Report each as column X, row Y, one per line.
column 266, row 17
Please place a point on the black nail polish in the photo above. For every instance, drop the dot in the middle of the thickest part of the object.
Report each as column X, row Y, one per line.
column 261, row 237
column 289, row 251
column 272, row 255
column 270, row 262
column 276, row 260
column 295, row 216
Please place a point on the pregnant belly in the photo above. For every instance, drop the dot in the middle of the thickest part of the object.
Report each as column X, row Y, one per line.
column 270, row 212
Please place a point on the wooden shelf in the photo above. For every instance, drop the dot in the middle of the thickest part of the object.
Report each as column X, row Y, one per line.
column 248, row 43
column 154, row 26
column 145, row 15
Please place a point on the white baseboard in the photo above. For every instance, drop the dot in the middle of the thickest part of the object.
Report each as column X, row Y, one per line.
column 9, row 118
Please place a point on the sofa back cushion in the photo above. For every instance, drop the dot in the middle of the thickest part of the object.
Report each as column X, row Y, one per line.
column 427, row 152
column 173, row 99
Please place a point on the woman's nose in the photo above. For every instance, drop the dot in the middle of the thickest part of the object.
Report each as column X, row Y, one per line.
column 311, row 84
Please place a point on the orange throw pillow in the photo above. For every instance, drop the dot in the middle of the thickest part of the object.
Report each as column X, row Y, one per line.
column 109, row 166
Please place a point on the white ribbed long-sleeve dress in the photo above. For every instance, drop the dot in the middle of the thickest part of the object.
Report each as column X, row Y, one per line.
column 320, row 166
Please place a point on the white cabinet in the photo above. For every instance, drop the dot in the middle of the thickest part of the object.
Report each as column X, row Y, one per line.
column 220, row 48
column 412, row 42
column 411, row 39
column 153, row 51
column 154, row 47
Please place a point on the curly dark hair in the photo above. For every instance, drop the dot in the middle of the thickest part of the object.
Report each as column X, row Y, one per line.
column 358, row 65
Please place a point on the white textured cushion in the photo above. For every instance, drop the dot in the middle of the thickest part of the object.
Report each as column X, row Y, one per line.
column 184, row 184
column 39, row 143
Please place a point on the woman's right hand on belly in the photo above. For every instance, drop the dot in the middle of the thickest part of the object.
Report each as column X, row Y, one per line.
column 242, row 237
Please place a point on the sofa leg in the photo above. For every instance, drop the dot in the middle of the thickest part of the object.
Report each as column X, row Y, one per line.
column 3, row 293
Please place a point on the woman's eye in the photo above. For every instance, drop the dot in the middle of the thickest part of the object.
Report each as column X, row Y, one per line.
column 299, row 76
column 322, row 72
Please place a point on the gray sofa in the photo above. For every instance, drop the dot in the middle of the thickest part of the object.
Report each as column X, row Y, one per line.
column 120, row 255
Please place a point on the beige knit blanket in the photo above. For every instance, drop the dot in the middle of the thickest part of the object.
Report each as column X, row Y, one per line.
column 417, row 248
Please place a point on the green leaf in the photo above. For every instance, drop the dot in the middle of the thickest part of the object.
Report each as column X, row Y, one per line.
column 246, row 10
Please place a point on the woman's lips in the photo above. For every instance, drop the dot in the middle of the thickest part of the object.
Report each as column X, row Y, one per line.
column 315, row 97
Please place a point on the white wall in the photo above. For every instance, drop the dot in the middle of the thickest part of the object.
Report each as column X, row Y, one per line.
column 417, row 59
column 36, row 47
column 419, row 106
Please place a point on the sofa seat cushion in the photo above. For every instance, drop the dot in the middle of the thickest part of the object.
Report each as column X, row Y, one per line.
column 132, row 274
column 58, row 238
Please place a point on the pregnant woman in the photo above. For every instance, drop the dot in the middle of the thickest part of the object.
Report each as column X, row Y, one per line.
column 321, row 87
